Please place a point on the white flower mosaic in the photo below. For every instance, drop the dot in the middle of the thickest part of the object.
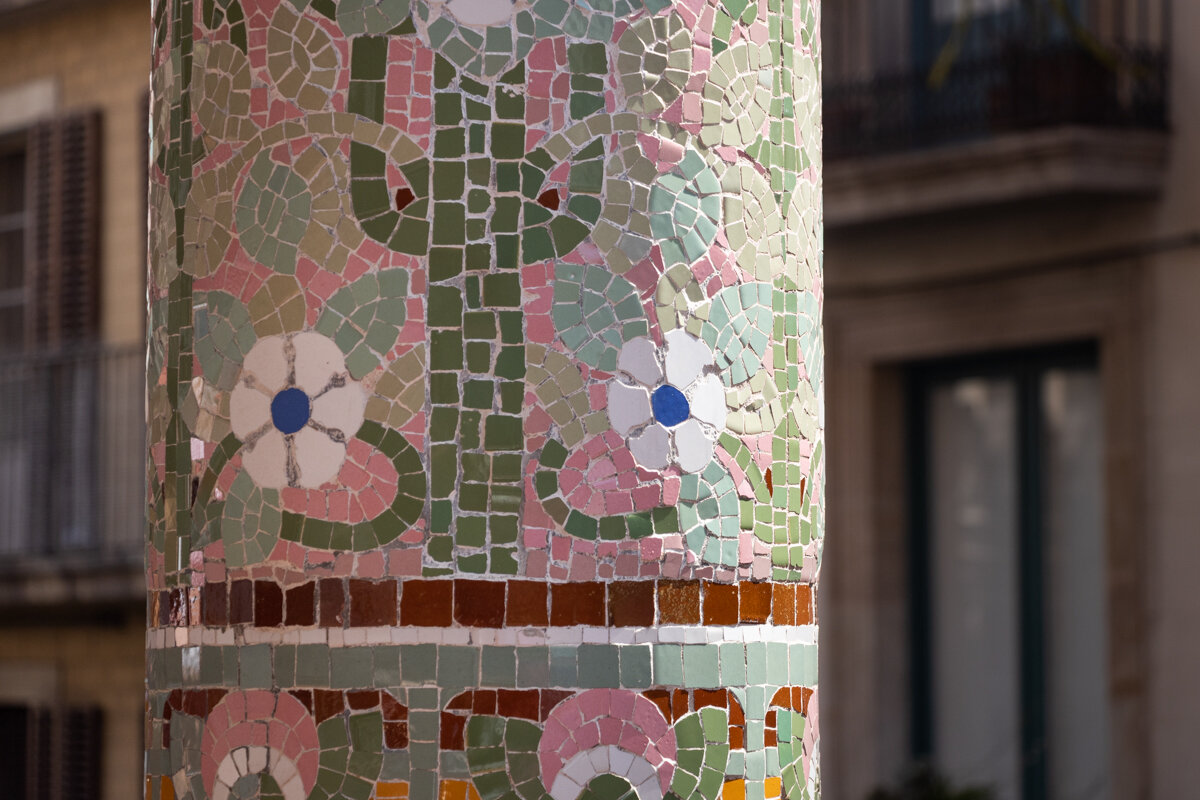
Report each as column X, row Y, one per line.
column 294, row 408
column 668, row 403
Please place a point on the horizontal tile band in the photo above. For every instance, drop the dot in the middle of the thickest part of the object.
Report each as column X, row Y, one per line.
column 162, row 638
column 358, row 603
column 455, row 667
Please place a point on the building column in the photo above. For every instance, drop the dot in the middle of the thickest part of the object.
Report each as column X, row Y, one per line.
column 485, row 376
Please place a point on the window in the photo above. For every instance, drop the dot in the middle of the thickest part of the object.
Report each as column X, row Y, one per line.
column 1009, row 624
column 49, row 325
column 47, row 755
column 13, row 226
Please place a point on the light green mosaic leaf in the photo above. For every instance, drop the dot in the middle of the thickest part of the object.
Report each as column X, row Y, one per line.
column 595, row 312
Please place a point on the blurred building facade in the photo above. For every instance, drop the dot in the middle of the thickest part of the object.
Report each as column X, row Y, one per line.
column 73, row 93
column 1013, row 273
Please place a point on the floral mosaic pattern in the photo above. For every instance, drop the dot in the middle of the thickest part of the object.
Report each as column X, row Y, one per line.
column 485, row 387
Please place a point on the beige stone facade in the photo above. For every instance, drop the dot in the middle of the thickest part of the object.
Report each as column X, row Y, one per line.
column 72, row 632
column 1019, row 242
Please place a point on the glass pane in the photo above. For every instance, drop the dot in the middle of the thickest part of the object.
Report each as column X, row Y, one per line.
column 1076, row 635
column 12, row 259
column 12, row 182
column 973, row 549
column 12, row 328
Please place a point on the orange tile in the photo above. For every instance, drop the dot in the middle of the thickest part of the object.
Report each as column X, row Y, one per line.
column 774, row 788
column 734, row 790
column 166, row 789
column 457, row 790
column 391, row 790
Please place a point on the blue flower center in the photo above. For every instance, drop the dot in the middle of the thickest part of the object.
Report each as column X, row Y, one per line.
column 290, row 410
column 669, row 405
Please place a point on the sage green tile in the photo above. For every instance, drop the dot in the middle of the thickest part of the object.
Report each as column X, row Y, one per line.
column 499, row 666
column 312, row 665
column 418, row 664
column 564, row 666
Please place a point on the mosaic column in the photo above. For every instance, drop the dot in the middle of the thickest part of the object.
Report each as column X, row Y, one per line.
column 485, row 378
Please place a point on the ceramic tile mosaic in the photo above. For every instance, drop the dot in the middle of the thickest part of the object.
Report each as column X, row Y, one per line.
column 485, row 377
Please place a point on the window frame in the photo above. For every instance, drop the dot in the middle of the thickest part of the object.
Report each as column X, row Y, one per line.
column 873, row 333
column 17, row 141
column 1026, row 368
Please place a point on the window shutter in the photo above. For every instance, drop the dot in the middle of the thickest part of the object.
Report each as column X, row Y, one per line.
column 81, row 738
column 15, row 750
column 63, row 263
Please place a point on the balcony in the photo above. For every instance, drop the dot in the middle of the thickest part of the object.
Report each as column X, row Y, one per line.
column 1000, row 110
column 72, row 467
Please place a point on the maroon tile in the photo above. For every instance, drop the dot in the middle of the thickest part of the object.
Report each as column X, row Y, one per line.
column 327, row 703
column 300, row 604
column 577, row 603
column 678, row 602
column 479, row 604
column 453, row 731
column 427, row 603
column 393, row 709
column 372, row 602
column 268, row 604
column 331, row 599
column 241, row 602
column 214, row 604
column 720, row 603
column 754, row 601
column 631, row 604
column 521, row 703
column 305, row 696
column 395, row 735
column 362, row 700
column 483, row 701
column 526, row 604
column 549, row 698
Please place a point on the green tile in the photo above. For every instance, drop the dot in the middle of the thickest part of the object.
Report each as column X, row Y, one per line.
column 599, row 666
column 499, row 666
column 418, row 663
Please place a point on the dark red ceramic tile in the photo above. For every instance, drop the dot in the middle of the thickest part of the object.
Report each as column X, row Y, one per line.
column 362, row 700
column 631, row 604
column 372, row 602
column 526, row 604
column 479, row 604
column 395, row 735
column 393, row 709
column 214, row 604
column 453, row 732
column 521, row 703
column 426, row 603
column 241, row 602
column 268, row 604
column 327, row 704
column 331, row 598
column 300, row 604
column 577, row 603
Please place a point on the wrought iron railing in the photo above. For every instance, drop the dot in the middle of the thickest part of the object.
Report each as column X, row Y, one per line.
column 72, row 454
column 1021, row 87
